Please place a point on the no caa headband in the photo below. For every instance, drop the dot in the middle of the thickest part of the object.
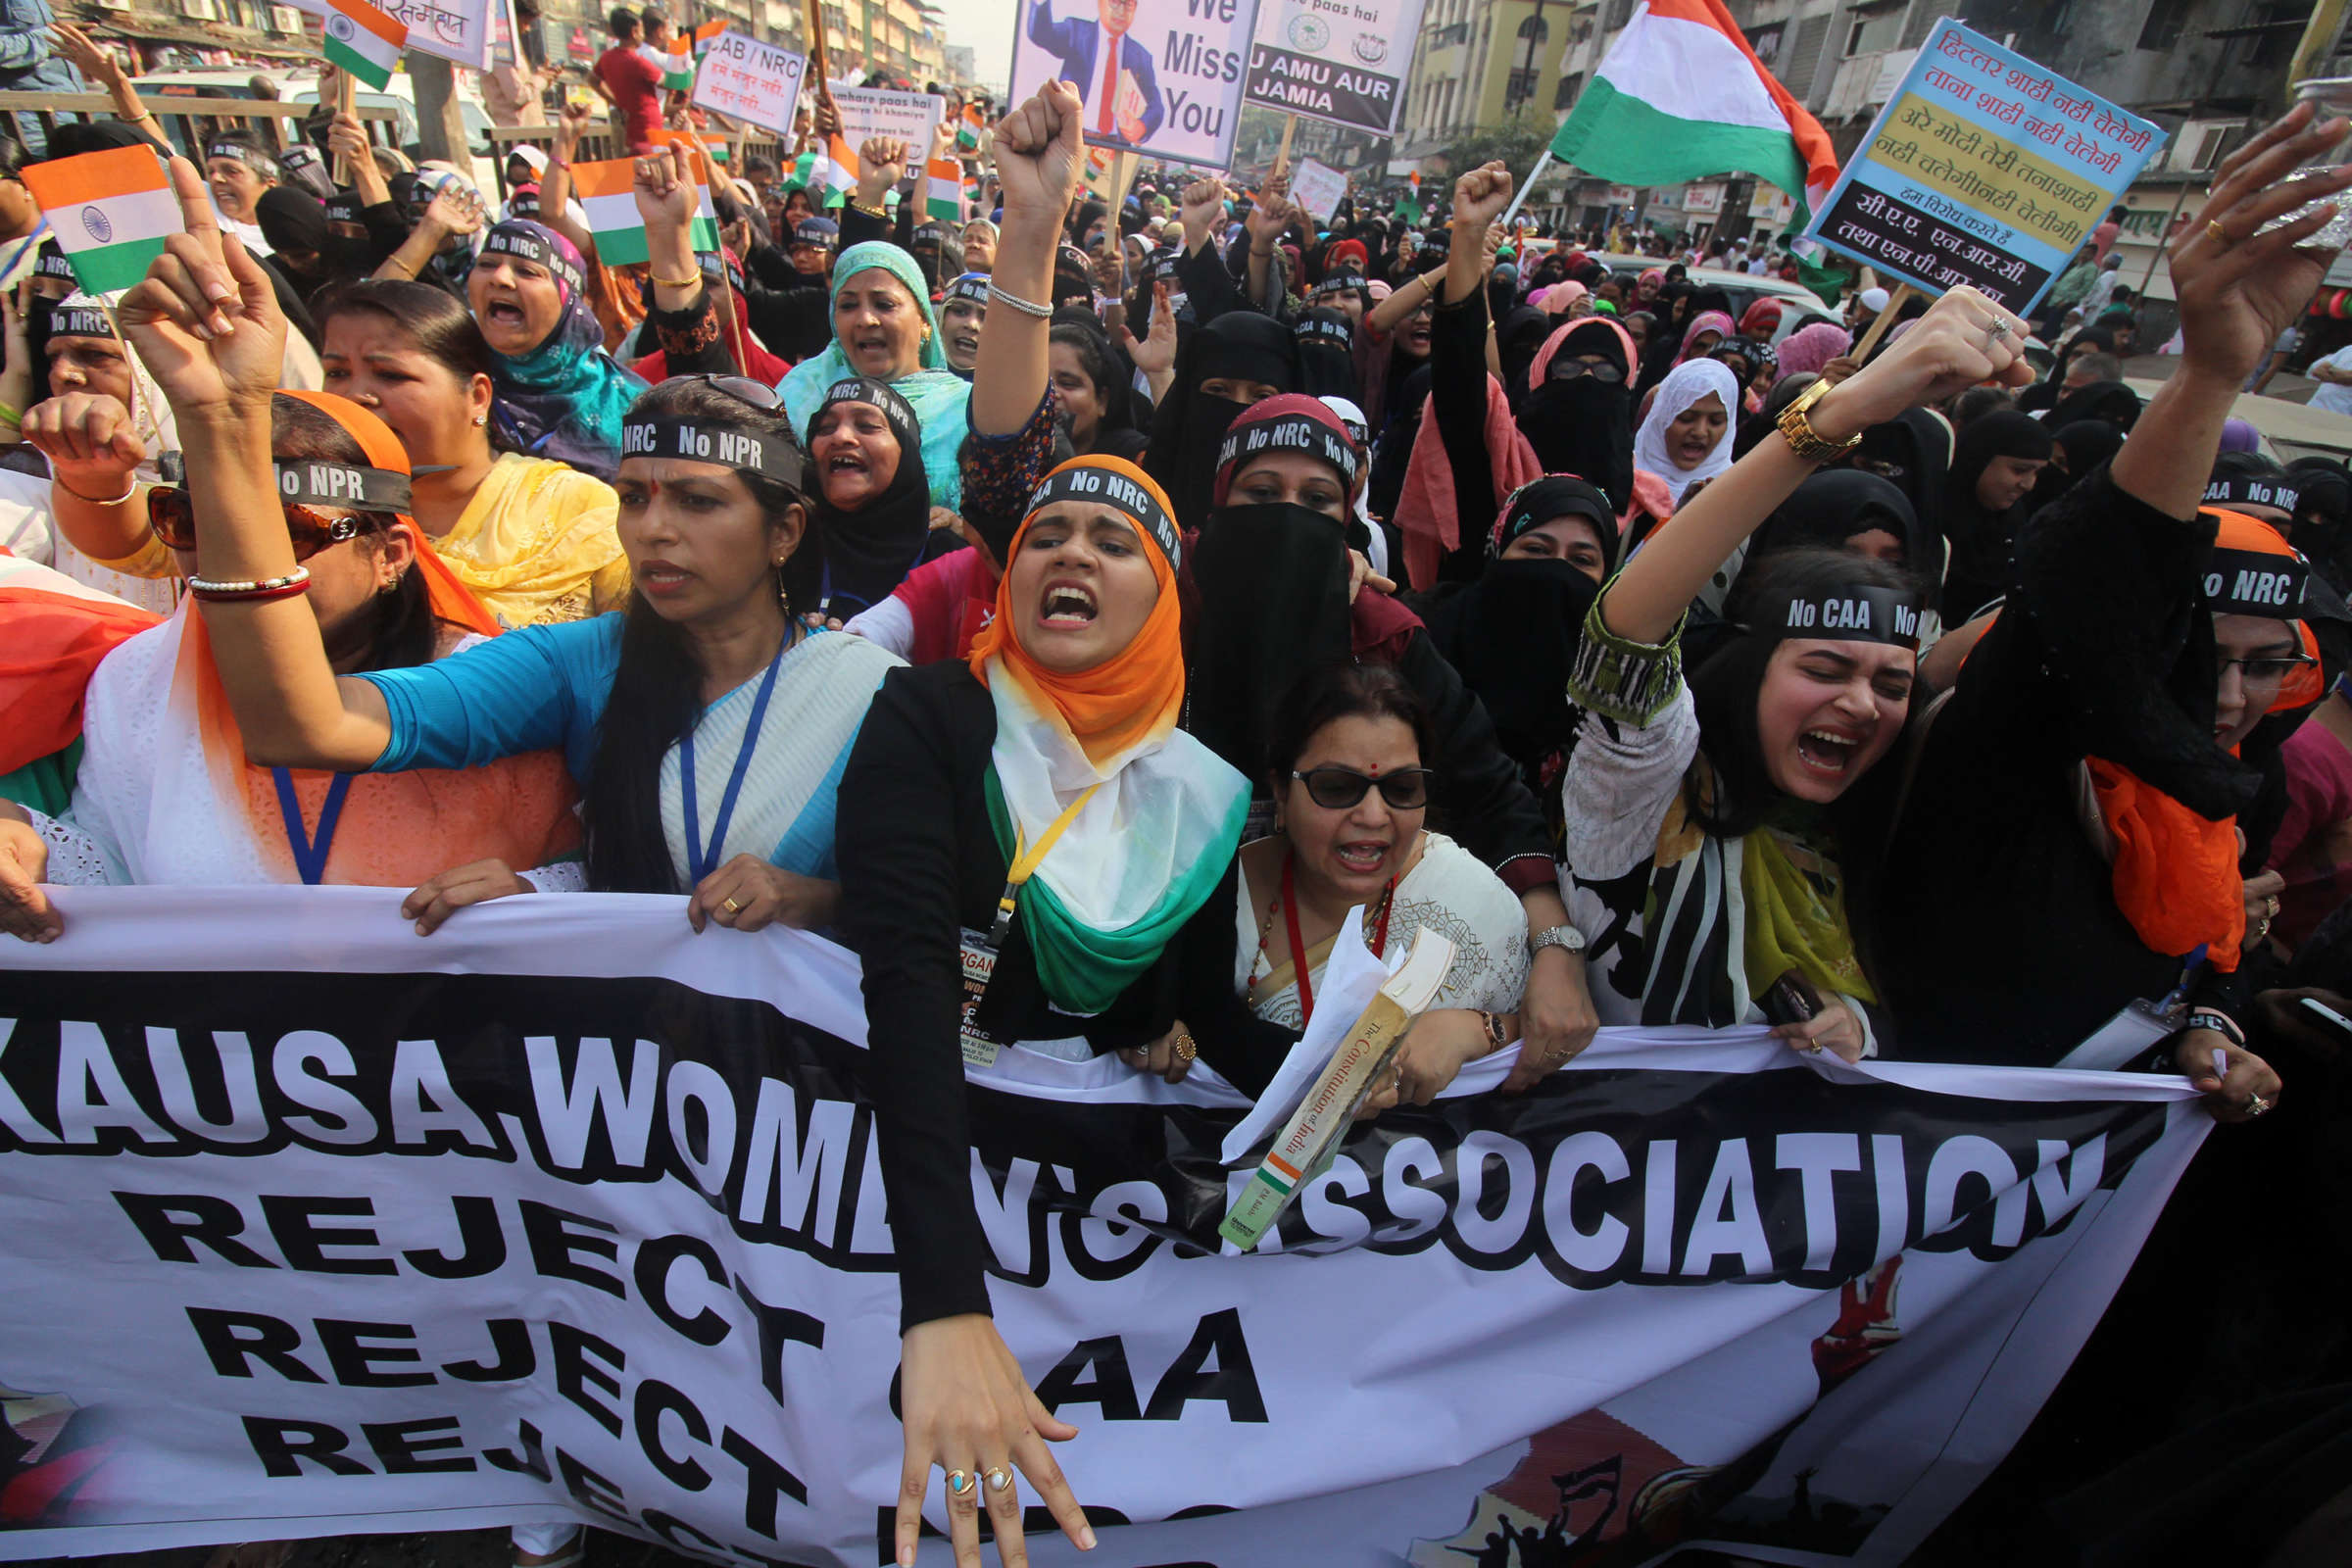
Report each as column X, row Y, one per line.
column 1104, row 487
column 313, row 482
column 1854, row 615
column 772, row 457
column 2253, row 490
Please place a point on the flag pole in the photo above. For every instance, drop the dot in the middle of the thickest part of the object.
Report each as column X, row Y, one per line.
column 1520, row 200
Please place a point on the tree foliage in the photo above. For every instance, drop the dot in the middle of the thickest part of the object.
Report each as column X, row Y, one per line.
column 1518, row 143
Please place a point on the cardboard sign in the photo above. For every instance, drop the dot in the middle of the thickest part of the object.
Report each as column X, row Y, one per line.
column 1984, row 169
column 750, row 80
column 910, row 116
column 1345, row 64
column 1173, row 91
column 1316, row 189
column 458, row 30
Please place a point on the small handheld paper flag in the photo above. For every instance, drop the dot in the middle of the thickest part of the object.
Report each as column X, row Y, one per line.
column 707, row 34
column 364, row 41
column 942, row 190
column 839, row 169
column 677, row 66
column 607, row 191
column 967, row 133
column 110, row 212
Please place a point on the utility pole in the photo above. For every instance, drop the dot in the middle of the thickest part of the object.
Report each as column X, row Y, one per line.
column 441, row 128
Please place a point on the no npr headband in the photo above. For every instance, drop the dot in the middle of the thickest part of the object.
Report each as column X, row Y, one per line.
column 1108, row 487
column 772, row 457
column 313, row 482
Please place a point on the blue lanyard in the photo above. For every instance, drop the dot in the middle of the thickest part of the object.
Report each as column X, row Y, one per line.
column 310, row 854
column 699, row 854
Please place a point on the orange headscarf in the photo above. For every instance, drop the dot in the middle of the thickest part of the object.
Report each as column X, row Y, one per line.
column 398, row 828
column 1137, row 691
column 2175, row 874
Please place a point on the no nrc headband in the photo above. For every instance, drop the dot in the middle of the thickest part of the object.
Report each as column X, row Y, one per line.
column 1104, row 487
column 1336, row 333
column 1293, row 432
column 772, row 457
column 971, row 287
column 2236, row 490
column 859, row 389
column 51, row 262
column 511, row 239
column 78, row 320
column 1854, row 615
column 2258, row 582
column 319, row 483
column 252, row 157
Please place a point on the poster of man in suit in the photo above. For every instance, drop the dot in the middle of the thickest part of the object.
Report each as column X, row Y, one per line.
column 1159, row 78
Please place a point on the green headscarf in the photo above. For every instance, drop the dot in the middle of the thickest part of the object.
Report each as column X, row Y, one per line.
column 941, row 399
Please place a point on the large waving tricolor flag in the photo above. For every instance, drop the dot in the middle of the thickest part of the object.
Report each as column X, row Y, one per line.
column 1681, row 96
column 365, row 41
column 110, row 212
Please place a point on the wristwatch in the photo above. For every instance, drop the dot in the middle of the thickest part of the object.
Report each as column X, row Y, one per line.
column 1798, row 432
column 1559, row 936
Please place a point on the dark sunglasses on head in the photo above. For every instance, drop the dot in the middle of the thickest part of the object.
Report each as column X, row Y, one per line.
column 742, row 388
column 1565, row 368
column 1336, row 789
column 172, row 514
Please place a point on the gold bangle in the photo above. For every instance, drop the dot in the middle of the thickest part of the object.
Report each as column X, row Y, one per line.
column 687, row 281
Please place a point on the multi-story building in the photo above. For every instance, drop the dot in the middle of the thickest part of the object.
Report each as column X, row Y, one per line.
column 1479, row 64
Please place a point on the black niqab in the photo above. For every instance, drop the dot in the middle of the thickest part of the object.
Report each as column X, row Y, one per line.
column 1190, row 425
column 1273, row 582
column 1581, row 424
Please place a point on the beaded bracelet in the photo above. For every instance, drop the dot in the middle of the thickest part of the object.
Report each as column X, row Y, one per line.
column 293, row 582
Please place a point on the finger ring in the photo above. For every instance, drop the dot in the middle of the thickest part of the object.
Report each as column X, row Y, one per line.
column 1186, row 1050
column 1813, row 1048
column 2256, row 1104
column 1998, row 331
column 998, row 1478
column 2270, row 905
column 959, row 1482
column 731, row 907
column 2220, row 235
column 2262, row 929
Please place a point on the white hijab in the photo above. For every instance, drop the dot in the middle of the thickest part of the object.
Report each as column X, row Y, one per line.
column 1687, row 383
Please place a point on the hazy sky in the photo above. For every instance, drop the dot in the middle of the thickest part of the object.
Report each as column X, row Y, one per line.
column 986, row 27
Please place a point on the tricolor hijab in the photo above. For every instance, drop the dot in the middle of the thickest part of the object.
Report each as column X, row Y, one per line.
column 1152, row 816
column 2176, row 873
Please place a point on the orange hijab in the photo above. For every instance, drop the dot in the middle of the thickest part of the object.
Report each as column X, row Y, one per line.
column 397, row 828
column 2175, row 874
column 1136, row 692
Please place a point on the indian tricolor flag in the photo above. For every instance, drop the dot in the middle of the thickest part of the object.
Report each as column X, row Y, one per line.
column 1681, row 96
column 838, row 169
column 110, row 212
column 608, row 190
column 677, row 66
column 943, row 189
column 971, row 129
column 364, row 41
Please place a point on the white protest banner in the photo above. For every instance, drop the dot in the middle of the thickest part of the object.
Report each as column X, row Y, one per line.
column 458, row 30
column 741, row 76
column 1984, row 169
column 1342, row 62
column 1173, row 90
column 910, row 116
column 309, row 1226
column 1317, row 189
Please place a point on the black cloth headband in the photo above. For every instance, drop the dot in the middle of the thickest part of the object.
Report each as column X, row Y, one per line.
column 1106, row 487
column 52, row 262
column 78, row 320
column 342, row 484
column 253, row 158
column 773, row 457
column 1338, row 332
column 513, row 239
column 2257, row 582
column 343, row 207
column 2234, row 490
column 1856, row 614
column 1292, row 432
column 895, row 408
column 972, row 286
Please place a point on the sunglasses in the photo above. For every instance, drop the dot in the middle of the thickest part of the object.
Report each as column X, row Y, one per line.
column 172, row 514
column 2264, row 671
column 1565, row 368
column 742, row 388
column 1338, row 789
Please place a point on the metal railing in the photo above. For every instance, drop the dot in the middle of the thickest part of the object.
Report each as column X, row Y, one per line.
column 605, row 142
column 188, row 121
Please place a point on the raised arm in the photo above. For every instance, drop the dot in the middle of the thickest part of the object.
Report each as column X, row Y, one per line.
column 206, row 323
column 1391, row 314
column 103, row 67
column 452, row 211
column 555, row 191
column 2238, row 289
column 1040, row 160
column 1953, row 347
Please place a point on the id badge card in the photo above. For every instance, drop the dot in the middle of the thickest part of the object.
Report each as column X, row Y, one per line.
column 980, row 1048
